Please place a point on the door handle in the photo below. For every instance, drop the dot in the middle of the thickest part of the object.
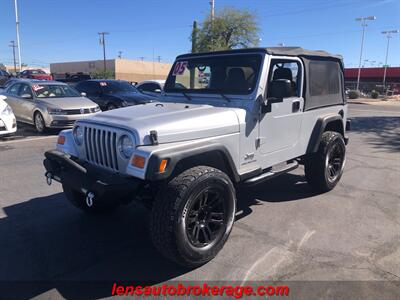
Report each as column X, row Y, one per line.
column 295, row 106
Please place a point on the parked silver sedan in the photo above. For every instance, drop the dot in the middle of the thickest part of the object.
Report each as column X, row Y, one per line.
column 48, row 104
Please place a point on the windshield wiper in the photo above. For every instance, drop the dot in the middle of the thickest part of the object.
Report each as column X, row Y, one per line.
column 224, row 96
column 186, row 95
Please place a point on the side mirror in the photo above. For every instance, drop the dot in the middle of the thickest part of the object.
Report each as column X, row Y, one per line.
column 279, row 89
column 26, row 96
column 83, row 94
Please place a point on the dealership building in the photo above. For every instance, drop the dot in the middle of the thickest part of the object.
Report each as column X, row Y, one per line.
column 125, row 69
column 372, row 78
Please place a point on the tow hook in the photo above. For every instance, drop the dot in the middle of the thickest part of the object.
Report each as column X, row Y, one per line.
column 49, row 177
column 89, row 199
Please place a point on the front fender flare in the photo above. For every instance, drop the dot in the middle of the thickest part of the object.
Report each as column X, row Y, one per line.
column 178, row 154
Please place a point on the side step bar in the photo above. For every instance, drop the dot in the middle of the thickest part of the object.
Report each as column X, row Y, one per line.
column 271, row 174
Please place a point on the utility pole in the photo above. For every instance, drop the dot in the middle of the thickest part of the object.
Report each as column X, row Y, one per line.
column 17, row 29
column 194, row 37
column 15, row 63
column 389, row 36
column 159, row 58
column 212, row 6
column 119, row 54
column 363, row 21
column 103, row 42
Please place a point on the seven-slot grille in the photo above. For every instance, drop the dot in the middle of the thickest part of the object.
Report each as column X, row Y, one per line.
column 101, row 147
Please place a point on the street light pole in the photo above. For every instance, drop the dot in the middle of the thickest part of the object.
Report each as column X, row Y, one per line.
column 17, row 29
column 103, row 42
column 15, row 63
column 388, row 35
column 363, row 24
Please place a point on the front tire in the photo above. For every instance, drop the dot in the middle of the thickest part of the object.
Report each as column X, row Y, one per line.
column 324, row 170
column 111, row 106
column 193, row 215
column 39, row 122
column 78, row 199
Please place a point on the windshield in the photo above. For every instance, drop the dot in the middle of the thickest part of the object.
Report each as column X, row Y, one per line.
column 110, row 87
column 54, row 91
column 230, row 74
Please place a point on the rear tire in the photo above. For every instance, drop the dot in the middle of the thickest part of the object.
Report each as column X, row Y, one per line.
column 324, row 170
column 78, row 199
column 193, row 215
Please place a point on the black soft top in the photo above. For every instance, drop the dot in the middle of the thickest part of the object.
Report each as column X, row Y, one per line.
column 286, row 51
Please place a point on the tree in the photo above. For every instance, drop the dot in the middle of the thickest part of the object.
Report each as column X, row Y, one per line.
column 230, row 29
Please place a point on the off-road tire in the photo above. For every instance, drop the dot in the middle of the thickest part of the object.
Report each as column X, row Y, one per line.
column 39, row 123
column 171, row 213
column 316, row 168
column 99, row 207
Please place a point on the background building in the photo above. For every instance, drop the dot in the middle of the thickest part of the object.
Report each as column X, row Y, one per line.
column 131, row 70
column 372, row 78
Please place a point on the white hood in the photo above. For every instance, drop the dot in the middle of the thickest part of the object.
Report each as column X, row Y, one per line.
column 173, row 122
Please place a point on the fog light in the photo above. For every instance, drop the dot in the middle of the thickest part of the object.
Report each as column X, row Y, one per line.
column 138, row 161
column 61, row 140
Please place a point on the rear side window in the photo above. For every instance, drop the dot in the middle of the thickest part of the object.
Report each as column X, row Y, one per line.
column 324, row 78
column 13, row 90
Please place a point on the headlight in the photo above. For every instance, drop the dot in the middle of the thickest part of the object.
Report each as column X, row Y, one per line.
column 78, row 135
column 56, row 111
column 7, row 110
column 96, row 109
column 126, row 146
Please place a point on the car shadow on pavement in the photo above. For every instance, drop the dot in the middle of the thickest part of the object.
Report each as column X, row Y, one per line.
column 287, row 187
column 384, row 131
column 46, row 244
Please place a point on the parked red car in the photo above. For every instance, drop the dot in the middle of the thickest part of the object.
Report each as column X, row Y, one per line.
column 35, row 74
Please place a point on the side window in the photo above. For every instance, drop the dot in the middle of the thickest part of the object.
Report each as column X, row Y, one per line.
column 149, row 87
column 289, row 70
column 25, row 89
column 89, row 87
column 14, row 89
column 324, row 78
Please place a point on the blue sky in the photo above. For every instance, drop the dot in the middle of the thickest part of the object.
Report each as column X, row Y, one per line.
column 66, row 30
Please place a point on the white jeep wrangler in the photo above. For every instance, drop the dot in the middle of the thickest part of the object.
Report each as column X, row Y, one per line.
column 225, row 119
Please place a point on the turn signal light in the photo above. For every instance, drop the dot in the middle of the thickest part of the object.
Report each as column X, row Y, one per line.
column 163, row 166
column 138, row 161
column 61, row 140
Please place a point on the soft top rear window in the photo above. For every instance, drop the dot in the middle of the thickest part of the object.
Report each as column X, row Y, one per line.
column 230, row 74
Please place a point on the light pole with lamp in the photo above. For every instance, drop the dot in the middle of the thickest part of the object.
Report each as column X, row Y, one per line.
column 389, row 36
column 363, row 21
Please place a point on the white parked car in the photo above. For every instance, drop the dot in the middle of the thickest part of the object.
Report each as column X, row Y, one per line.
column 8, row 123
column 151, row 87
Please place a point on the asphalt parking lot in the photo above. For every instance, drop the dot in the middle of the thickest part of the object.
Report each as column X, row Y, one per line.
column 283, row 230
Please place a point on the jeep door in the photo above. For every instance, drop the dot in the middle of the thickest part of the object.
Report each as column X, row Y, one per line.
column 280, row 120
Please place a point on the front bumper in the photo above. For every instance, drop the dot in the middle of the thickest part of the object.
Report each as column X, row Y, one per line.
column 64, row 121
column 8, row 125
column 85, row 178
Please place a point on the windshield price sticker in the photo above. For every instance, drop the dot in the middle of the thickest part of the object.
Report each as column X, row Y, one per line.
column 37, row 87
column 103, row 83
column 180, row 68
